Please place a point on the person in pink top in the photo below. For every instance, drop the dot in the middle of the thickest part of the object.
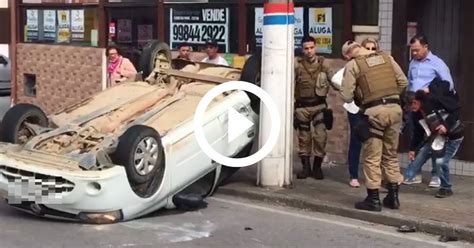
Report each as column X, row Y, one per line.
column 119, row 68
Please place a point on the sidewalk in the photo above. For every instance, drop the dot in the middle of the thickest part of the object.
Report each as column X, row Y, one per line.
column 453, row 216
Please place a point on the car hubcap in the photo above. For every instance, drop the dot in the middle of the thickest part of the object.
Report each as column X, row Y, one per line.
column 146, row 155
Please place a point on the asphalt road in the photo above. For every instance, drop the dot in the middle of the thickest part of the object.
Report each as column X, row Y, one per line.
column 226, row 222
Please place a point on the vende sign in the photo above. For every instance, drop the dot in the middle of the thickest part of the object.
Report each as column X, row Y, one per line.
column 197, row 25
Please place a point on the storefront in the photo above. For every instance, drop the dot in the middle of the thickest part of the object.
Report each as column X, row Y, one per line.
column 448, row 27
column 325, row 20
column 4, row 27
column 131, row 26
column 60, row 44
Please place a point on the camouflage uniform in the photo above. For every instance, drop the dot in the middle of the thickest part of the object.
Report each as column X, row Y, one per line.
column 311, row 89
column 376, row 82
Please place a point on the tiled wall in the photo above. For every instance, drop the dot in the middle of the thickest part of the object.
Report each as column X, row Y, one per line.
column 385, row 24
column 338, row 137
column 64, row 74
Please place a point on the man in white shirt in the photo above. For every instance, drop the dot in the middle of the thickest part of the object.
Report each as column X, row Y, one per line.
column 212, row 56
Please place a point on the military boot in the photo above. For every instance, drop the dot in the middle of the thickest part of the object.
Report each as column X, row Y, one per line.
column 391, row 200
column 371, row 202
column 306, row 172
column 317, row 171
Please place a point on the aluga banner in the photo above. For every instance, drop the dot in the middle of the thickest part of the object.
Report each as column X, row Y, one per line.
column 320, row 27
column 299, row 24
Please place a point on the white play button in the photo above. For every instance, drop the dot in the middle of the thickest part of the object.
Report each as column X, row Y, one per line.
column 238, row 124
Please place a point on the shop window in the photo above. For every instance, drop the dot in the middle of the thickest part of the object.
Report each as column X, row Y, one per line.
column 5, row 25
column 131, row 29
column 78, row 26
column 323, row 21
column 365, row 12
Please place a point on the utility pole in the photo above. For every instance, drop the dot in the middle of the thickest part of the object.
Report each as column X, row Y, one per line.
column 277, row 80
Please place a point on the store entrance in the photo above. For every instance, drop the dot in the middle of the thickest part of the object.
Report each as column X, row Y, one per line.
column 131, row 28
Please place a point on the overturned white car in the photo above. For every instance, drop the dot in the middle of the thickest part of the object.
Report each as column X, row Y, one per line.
column 129, row 150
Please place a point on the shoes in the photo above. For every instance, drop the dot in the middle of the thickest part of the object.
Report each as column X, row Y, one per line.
column 391, row 200
column 354, row 183
column 306, row 172
column 443, row 193
column 435, row 182
column 317, row 171
column 415, row 180
column 189, row 202
column 371, row 202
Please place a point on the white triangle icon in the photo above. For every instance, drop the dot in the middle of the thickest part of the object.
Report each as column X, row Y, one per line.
column 238, row 124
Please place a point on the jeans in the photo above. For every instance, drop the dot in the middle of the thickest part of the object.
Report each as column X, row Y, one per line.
column 410, row 121
column 440, row 165
column 355, row 145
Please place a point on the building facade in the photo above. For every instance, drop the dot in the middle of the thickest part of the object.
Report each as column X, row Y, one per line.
column 448, row 26
column 5, row 28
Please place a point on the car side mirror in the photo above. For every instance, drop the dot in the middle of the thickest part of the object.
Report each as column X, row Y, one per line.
column 3, row 61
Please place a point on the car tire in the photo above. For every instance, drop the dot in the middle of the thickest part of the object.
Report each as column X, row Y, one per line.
column 149, row 55
column 14, row 119
column 251, row 72
column 136, row 142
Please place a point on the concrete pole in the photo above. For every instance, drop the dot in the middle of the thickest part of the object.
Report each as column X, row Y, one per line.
column 277, row 80
column 14, row 37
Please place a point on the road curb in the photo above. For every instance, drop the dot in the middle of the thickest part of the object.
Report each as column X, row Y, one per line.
column 384, row 217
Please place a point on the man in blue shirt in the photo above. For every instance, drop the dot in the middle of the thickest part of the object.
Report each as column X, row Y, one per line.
column 424, row 67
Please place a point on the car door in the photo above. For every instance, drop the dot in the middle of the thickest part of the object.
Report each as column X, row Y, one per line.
column 185, row 157
column 5, row 73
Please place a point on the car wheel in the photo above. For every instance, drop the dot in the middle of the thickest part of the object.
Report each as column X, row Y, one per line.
column 155, row 53
column 141, row 152
column 252, row 73
column 14, row 128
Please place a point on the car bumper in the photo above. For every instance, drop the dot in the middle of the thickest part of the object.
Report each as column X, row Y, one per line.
column 78, row 194
column 5, row 86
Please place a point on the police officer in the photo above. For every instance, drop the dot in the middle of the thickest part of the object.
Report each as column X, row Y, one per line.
column 312, row 116
column 375, row 81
